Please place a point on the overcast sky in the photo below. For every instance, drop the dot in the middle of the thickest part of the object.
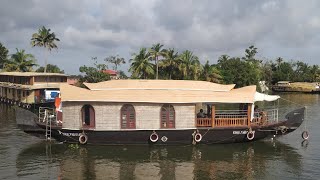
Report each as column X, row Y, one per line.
column 100, row 28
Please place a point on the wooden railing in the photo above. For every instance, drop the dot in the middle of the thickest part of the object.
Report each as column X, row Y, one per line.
column 233, row 119
column 204, row 122
column 222, row 122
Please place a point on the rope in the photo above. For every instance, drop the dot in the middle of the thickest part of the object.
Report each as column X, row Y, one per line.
column 305, row 123
column 292, row 102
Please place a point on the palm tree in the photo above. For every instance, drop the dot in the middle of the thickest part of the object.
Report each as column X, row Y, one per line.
column 190, row 66
column 155, row 52
column 140, row 65
column 170, row 62
column 116, row 60
column 3, row 55
column 20, row 61
column 211, row 73
column 44, row 39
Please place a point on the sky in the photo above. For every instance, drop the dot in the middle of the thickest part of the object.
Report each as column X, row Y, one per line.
column 210, row 28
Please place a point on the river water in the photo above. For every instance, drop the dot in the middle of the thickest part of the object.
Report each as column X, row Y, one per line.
column 26, row 157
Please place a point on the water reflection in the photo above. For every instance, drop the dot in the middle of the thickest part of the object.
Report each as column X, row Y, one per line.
column 251, row 160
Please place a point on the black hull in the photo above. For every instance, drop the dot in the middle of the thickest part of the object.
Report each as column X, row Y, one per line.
column 174, row 137
column 179, row 136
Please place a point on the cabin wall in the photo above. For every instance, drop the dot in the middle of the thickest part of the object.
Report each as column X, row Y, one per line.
column 71, row 115
column 185, row 115
column 107, row 115
column 147, row 116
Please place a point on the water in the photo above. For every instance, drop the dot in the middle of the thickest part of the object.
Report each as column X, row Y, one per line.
column 26, row 157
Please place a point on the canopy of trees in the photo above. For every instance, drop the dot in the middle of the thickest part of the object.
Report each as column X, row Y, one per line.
column 20, row 61
column 3, row 55
column 50, row 69
column 94, row 74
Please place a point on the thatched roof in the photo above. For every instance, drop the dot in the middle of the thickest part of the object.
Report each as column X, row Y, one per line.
column 158, row 91
column 159, row 84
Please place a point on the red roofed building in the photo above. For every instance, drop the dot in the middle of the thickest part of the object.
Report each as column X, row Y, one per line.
column 113, row 74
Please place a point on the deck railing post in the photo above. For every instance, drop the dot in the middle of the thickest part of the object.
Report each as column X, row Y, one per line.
column 249, row 114
column 213, row 114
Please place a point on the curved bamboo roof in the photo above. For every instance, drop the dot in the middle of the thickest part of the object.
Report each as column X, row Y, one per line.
column 158, row 91
column 158, row 85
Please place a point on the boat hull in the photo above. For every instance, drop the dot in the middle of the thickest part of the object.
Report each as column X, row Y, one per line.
column 208, row 135
column 166, row 137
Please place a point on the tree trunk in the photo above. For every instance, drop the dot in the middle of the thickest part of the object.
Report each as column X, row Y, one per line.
column 45, row 60
column 157, row 66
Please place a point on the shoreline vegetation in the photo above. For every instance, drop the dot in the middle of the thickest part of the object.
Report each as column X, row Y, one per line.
column 158, row 62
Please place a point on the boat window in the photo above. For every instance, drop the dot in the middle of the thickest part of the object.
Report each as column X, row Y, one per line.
column 167, row 116
column 88, row 116
column 128, row 117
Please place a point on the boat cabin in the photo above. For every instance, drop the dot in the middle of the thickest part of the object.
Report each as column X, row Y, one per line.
column 160, row 104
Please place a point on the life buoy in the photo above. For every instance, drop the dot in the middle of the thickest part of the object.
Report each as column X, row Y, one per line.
column 250, row 135
column 83, row 139
column 305, row 135
column 154, row 137
column 197, row 137
column 284, row 130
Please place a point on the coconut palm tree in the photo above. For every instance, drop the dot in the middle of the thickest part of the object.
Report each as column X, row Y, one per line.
column 20, row 61
column 170, row 62
column 116, row 60
column 190, row 66
column 155, row 51
column 211, row 73
column 140, row 65
column 44, row 39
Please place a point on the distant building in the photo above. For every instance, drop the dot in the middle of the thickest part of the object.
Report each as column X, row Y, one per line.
column 72, row 80
column 30, row 87
column 112, row 73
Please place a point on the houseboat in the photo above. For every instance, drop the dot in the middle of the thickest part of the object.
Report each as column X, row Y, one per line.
column 27, row 89
column 306, row 87
column 163, row 112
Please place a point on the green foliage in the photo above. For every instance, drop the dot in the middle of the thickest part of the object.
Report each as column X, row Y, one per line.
column 141, row 66
column 211, row 73
column 73, row 146
column 50, row 69
column 296, row 71
column 241, row 71
column 116, row 60
column 190, row 66
column 44, row 39
column 122, row 75
column 20, row 61
column 154, row 52
column 94, row 74
column 169, row 66
column 3, row 55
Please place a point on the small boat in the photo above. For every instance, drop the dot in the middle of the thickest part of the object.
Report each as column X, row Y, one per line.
column 288, row 86
column 163, row 112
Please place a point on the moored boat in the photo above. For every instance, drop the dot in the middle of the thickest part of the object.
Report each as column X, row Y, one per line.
column 305, row 87
column 163, row 112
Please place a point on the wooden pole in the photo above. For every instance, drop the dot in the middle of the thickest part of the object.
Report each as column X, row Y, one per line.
column 249, row 114
column 213, row 114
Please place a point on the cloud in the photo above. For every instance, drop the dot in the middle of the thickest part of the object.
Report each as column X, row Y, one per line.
column 88, row 28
